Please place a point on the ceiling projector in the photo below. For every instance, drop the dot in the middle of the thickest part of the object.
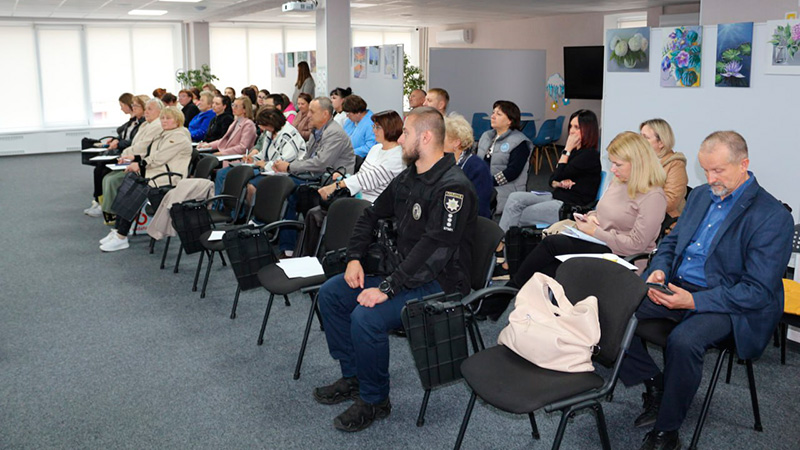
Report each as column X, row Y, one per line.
column 299, row 6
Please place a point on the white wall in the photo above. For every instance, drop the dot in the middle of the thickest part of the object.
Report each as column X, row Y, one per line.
column 50, row 141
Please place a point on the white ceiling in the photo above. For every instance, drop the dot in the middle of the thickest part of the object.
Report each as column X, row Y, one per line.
column 410, row 13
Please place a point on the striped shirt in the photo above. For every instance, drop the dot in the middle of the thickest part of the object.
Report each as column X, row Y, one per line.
column 377, row 171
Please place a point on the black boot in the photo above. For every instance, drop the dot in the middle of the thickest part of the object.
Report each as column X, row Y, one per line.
column 651, row 400
column 661, row 440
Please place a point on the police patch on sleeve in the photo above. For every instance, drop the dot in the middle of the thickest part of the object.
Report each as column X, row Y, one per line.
column 453, row 202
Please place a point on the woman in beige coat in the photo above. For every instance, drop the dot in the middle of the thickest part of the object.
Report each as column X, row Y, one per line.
column 169, row 152
column 659, row 134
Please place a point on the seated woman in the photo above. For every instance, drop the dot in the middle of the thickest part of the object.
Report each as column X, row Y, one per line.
column 125, row 134
column 575, row 179
column 240, row 135
column 358, row 124
column 383, row 162
column 302, row 122
column 659, row 134
column 628, row 216
column 222, row 120
column 289, row 111
column 506, row 150
column 261, row 98
column 169, row 152
column 458, row 140
column 230, row 93
column 252, row 94
column 198, row 127
column 337, row 97
column 169, row 99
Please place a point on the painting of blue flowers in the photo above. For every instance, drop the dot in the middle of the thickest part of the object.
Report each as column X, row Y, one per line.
column 681, row 56
column 734, row 52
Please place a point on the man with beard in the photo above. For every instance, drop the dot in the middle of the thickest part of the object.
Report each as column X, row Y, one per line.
column 724, row 262
column 434, row 210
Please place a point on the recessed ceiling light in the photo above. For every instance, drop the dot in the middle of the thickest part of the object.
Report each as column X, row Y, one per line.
column 147, row 12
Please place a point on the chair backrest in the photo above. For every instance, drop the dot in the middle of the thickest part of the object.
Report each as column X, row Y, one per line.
column 796, row 239
column 559, row 128
column 205, row 166
column 271, row 195
column 340, row 222
column 235, row 184
column 487, row 237
column 618, row 290
column 546, row 133
column 601, row 188
column 529, row 130
column 480, row 124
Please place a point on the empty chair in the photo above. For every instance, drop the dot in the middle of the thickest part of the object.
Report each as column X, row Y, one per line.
column 545, row 137
column 480, row 124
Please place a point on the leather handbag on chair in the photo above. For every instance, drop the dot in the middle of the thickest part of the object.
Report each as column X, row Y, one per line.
column 131, row 196
column 548, row 330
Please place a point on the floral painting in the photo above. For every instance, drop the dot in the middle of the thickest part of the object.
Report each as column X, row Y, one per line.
column 734, row 51
column 681, row 57
column 628, row 50
column 280, row 67
column 290, row 60
column 785, row 40
column 360, row 62
column 375, row 59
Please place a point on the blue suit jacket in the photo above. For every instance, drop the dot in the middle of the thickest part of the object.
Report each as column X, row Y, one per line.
column 745, row 263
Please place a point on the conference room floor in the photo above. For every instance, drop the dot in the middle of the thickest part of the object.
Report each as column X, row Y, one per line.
column 107, row 351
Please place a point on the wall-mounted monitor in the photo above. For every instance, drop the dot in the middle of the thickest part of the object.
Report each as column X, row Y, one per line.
column 583, row 72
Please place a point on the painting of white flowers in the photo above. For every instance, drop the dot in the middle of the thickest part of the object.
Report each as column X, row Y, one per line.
column 734, row 51
column 681, row 57
column 783, row 54
column 628, row 50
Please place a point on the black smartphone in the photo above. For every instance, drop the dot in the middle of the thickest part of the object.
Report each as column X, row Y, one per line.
column 661, row 287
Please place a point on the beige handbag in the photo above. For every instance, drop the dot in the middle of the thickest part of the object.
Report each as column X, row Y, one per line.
column 561, row 337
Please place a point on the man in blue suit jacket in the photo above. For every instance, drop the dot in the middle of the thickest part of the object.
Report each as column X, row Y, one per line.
column 724, row 262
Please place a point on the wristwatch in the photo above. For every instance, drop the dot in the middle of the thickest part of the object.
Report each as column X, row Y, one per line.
column 386, row 287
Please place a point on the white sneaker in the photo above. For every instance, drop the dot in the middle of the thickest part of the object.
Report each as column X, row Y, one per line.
column 94, row 211
column 115, row 244
column 94, row 205
column 109, row 236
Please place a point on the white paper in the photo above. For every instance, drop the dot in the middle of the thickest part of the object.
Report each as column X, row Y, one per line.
column 205, row 150
column 229, row 157
column 578, row 234
column 304, row 267
column 117, row 166
column 194, row 144
column 216, row 235
column 93, row 150
column 104, row 158
column 608, row 256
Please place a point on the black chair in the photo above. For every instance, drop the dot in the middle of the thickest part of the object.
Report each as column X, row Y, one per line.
column 269, row 208
column 339, row 223
column 509, row 382
column 789, row 319
column 656, row 331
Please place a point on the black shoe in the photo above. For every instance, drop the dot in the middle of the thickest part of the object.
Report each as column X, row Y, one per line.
column 661, row 440
column 651, row 403
column 342, row 390
column 361, row 414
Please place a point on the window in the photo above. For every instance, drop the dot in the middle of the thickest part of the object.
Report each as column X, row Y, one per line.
column 17, row 43
column 632, row 21
column 108, row 77
column 61, row 71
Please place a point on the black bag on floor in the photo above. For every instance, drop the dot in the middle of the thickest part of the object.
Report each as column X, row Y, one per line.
column 190, row 220
column 131, row 196
column 437, row 336
column 248, row 250
column 520, row 242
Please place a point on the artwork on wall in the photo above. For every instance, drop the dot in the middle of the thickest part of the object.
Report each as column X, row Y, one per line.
column 628, row 50
column 290, row 59
column 783, row 52
column 375, row 59
column 555, row 90
column 312, row 60
column 280, row 68
column 681, row 57
column 391, row 68
column 301, row 56
column 360, row 62
column 734, row 51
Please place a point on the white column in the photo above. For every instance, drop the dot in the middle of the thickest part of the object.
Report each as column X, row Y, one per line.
column 333, row 45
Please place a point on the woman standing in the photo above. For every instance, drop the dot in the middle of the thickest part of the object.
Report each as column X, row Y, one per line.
column 659, row 134
column 507, row 151
column 305, row 83
column 458, row 140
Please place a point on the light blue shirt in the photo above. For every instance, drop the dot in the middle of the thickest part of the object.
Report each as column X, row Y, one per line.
column 693, row 259
column 361, row 135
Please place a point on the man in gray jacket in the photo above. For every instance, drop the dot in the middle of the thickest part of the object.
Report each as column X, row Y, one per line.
column 329, row 146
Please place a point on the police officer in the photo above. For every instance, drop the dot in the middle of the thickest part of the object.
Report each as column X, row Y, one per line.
column 434, row 208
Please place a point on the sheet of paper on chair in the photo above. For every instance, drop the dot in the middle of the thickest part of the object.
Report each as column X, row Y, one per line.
column 216, row 235
column 307, row 266
column 93, row 150
column 117, row 166
column 229, row 157
column 609, row 256
column 104, row 158
column 578, row 234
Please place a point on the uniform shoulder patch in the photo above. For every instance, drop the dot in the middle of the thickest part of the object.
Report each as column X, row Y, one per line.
column 453, row 201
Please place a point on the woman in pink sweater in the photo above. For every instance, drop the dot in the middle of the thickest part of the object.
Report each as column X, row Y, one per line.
column 628, row 216
column 241, row 135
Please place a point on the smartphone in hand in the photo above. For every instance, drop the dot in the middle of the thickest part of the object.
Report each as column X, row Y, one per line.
column 660, row 287
column 579, row 217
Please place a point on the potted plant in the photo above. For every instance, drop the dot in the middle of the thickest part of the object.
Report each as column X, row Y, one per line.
column 412, row 77
column 195, row 78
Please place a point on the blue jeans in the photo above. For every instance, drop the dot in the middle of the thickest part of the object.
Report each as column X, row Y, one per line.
column 358, row 336
column 287, row 237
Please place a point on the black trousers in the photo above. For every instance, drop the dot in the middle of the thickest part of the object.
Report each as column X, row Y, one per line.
column 543, row 257
column 123, row 226
column 100, row 171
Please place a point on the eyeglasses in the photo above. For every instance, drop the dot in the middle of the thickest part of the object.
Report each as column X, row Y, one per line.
column 375, row 126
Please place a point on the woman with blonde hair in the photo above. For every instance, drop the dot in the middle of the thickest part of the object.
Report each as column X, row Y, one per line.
column 659, row 134
column 458, row 140
column 241, row 135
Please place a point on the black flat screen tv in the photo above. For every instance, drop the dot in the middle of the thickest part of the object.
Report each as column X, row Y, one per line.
column 583, row 72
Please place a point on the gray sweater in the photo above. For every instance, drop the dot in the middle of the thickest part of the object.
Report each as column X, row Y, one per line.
column 332, row 149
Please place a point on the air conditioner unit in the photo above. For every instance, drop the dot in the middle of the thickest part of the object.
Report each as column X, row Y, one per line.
column 677, row 20
column 454, row 37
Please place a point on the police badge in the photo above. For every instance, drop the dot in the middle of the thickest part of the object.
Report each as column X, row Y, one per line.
column 452, row 204
column 416, row 211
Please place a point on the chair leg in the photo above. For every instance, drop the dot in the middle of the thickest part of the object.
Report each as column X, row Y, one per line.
column 536, row 161
column 309, row 321
column 319, row 317
column 480, row 337
column 472, row 337
column 707, row 402
column 264, row 322
column 562, row 425
column 784, row 332
column 602, row 428
column 534, row 427
column 465, row 421
column 776, row 336
column 423, row 408
column 224, row 264
column 152, row 246
column 730, row 368
column 208, row 274
column 196, row 272
column 178, row 259
column 164, row 255
column 286, row 300
column 751, row 380
column 236, row 301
